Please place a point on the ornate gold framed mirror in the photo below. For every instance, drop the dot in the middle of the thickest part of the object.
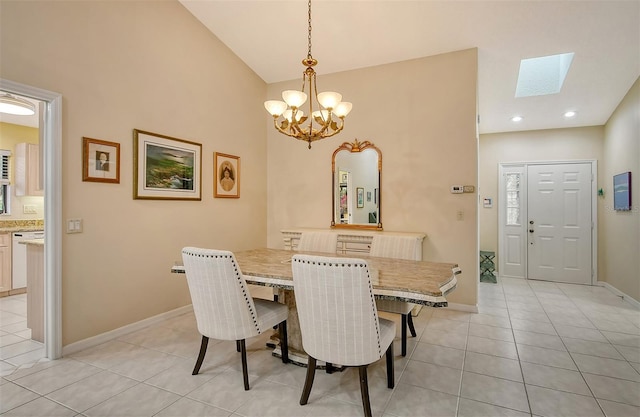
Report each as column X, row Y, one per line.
column 356, row 168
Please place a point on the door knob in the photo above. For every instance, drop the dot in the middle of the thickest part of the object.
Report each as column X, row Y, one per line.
column 530, row 221
column 530, row 230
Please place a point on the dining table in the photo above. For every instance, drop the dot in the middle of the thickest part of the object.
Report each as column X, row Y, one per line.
column 419, row 282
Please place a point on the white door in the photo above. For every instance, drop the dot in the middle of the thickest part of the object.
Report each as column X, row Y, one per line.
column 513, row 221
column 559, row 225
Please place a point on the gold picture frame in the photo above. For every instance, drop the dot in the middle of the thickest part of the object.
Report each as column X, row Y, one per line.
column 226, row 175
column 100, row 161
column 166, row 168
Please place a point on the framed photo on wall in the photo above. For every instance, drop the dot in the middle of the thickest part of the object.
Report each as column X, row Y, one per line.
column 622, row 191
column 226, row 176
column 100, row 161
column 166, row 168
column 360, row 197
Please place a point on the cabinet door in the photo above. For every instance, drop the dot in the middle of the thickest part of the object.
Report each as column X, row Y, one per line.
column 27, row 169
column 5, row 262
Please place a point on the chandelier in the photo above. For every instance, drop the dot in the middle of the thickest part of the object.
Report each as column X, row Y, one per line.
column 289, row 119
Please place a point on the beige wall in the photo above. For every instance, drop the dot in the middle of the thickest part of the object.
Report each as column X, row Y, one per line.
column 151, row 66
column 10, row 136
column 421, row 114
column 620, row 230
column 584, row 143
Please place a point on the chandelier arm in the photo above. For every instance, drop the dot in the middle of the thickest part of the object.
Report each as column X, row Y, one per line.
column 281, row 130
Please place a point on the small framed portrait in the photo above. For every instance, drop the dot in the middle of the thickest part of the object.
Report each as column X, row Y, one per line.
column 368, row 196
column 226, row 181
column 360, row 197
column 165, row 168
column 622, row 191
column 100, row 161
column 345, row 178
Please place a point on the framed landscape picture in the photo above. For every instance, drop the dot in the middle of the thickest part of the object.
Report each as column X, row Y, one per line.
column 359, row 197
column 226, row 176
column 100, row 161
column 622, row 191
column 166, row 168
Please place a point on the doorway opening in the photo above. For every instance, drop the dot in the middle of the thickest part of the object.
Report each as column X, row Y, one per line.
column 51, row 153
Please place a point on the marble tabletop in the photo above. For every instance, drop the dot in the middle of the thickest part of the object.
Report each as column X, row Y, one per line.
column 418, row 282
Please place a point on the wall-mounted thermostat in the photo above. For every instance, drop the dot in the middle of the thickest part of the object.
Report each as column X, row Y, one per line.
column 457, row 189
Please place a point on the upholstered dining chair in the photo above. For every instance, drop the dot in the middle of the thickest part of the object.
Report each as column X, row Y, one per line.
column 339, row 322
column 318, row 242
column 223, row 306
column 398, row 247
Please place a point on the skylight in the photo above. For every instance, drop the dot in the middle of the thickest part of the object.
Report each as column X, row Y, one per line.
column 543, row 75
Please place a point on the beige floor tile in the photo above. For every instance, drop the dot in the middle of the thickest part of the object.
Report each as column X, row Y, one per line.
column 490, row 320
column 447, row 325
column 540, row 340
column 471, row 408
column 614, row 389
column 492, row 347
column 13, row 396
column 438, row 355
column 632, row 354
column 225, row 390
column 547, row 402
column 447, row 313
column 622, row 339
column 593, row 335
column 606, row 367
column 534, row 316
column 185, row 407
column 613, row 409
column 408, row 400
column 56, row 377
column 434, row 377
column 554, row 378
column 493, row 366
column 542, row 356
column 91, row 391
column 500, row 311
column 179, row 380
column 270, row 399
column 445, row 338
column 41, row 407
column 142, row 400
column 496, row 391
column 587, row 347
column 491, row 332
column 533, row 326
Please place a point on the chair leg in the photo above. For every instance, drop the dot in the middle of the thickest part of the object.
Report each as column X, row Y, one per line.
column 404, row 335
column 391, row 380
column 284, row 345
column 245, row 372
column 329, row 368
column 410, row 323
column 308, row 382
column 238, row 346
column 364, row 390
column 203, row 351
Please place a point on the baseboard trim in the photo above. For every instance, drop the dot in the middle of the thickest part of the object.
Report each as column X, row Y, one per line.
column 619, row 293
column 463, row 307
column 121, row 331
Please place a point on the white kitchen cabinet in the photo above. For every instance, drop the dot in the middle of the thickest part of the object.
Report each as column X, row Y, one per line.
column 27, row 166
column 5, row 262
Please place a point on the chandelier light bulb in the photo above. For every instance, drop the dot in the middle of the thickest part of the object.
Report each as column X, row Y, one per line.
column 275, row 107
column 329, row 99
column 322, row 114
column 342, row 109
column 294, row 98
column 288, row 114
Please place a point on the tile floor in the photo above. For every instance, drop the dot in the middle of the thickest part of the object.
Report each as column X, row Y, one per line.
column 534, row 349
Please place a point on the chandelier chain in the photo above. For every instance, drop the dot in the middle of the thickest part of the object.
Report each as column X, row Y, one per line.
column 309, row 21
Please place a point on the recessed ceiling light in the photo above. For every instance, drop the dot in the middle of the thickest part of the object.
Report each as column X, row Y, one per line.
column 516, row 118
column 543, row 75
column 569, row 114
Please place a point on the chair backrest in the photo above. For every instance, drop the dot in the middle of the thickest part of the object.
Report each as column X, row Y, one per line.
column 337, row 311
column 318, row 242
column 222, row 303
column 398, row 247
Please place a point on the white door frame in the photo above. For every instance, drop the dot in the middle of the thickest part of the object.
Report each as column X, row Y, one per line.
column 52, row 210
column 594, row 210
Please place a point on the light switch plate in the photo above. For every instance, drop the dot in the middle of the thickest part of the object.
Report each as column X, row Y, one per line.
column 74, row 225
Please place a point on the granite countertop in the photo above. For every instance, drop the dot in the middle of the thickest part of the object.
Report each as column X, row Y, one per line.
column 10, row 226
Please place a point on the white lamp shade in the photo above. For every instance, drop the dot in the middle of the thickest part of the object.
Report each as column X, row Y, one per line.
column 329, row 99
column 275, row 107
column 323, row 114
column 15, row 105
column 342, row 109
column 294, row 98
column 287, row 115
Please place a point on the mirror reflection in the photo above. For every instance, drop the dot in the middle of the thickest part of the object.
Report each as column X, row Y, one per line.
column 356, row 186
